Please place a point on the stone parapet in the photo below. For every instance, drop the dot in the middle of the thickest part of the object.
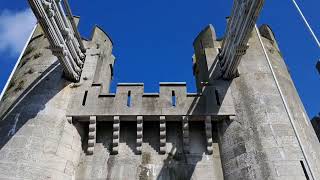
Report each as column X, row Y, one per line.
column 172, row 99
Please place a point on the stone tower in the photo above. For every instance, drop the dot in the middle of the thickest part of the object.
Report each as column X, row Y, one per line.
column 250, row 126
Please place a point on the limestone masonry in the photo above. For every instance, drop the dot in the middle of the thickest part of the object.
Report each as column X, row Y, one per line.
column 58, row 119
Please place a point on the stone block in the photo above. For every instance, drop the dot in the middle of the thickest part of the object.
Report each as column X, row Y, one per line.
column 31, row 171
column 274, row 153
column 65, row 152
column 292, row 153
column 36, row 144
column 8, row 169
column 39, row 132
column 76, row 144
column 30, row 156
column 76, row 157
column 18, row 142
column 52, row 162
column 25, row 131
column 69, row 168
column 3, row 154
column 282, row 129
column 69, row 129
column 269, row 142
column 66, row 140
column 16, row 155
column 54, row 134
column 216, row 151
column 277, row 118
column 289, row 168
column 290, row 178
column 50, row 146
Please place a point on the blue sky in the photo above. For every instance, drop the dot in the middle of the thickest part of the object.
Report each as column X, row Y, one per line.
column 153, row 39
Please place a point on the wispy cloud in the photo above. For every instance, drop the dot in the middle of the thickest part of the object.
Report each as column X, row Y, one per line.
column 15, row 28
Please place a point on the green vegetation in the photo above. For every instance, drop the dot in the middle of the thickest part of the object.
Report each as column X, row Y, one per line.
column 24, row 61
column 28, row 51
column 12, row 84
column 146, row 158
column 30, row 71
column 20, row 86
column 37, row 55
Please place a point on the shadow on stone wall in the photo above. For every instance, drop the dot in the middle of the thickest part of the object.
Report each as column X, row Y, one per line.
column 316, row 125
column 149, row 165
column 152, row 137
column 176, row 167
column 214, row 87
column 180, row 165
column 32, row 101
column 176, row 164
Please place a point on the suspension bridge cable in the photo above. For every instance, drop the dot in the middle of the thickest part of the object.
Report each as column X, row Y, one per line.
column 306, row 22
column 287, row 108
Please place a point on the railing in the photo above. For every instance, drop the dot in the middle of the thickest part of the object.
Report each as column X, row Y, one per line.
column 240, row 25
column 65, row 41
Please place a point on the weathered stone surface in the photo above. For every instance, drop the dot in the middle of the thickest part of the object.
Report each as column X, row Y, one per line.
column 151, row 165
column 263, row 124
column 35, row 142
column 229, row 129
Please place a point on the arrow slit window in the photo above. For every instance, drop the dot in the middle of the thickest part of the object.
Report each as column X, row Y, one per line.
column 173, row 99
column 129, row 99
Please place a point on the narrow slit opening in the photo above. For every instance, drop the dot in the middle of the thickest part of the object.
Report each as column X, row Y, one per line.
column 173, row 100
column 201, row 46
column 111, row 69
column 129, row 99
column 304, row 170
column 84, row 98
column 217, row 97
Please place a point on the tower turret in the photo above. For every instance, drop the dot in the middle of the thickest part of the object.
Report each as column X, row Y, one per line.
column 206, row 49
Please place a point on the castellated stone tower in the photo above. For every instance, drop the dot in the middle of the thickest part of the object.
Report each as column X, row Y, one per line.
column 51, row 128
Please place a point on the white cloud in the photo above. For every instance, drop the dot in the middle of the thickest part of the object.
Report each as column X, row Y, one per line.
column 15, row 28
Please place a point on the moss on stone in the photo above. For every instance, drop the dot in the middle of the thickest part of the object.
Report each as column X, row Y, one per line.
column 146, row 158
column 20, row 86
column 37, row 55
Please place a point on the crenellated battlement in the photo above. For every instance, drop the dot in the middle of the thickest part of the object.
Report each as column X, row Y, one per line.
column 246, row 120
column 171, row 100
